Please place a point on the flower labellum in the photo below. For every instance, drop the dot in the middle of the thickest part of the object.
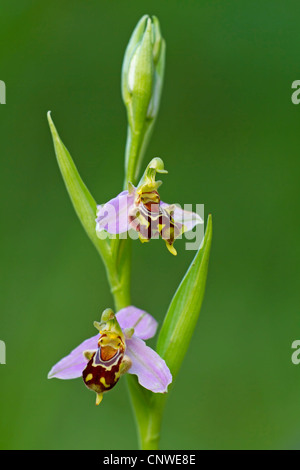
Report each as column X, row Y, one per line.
column 108, row 362
column 117, row 349
column 142, row 210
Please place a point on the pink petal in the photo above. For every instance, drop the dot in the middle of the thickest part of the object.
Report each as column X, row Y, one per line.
column 144, row 324
column 150, row 368
column 71, row 366
column 113, row 216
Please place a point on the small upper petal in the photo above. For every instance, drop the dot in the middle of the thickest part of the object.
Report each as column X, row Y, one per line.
column 113, row 216
column 144, row 324
column 71, row 366
column 150, row 368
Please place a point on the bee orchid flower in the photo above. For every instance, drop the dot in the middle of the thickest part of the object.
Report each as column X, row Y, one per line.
column 141, row 209
column 118, row 348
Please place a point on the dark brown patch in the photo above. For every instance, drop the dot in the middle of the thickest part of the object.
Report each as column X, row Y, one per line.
column 100, row 372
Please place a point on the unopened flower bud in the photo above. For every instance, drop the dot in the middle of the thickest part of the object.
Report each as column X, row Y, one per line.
column 142, row 80
column 142, row 71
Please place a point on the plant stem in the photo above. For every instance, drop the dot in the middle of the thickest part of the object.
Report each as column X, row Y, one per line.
column 148, row 426
column 147, row 422
column 137, row 142
column 132, row 150
column 151, row 433
column 120, row 295
column 119, row 280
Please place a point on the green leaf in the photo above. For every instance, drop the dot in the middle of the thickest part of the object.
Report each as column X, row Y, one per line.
column 183, row 312
column 83, row 202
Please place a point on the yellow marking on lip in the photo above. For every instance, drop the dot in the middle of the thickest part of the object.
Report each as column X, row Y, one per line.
column 99, row 398
column 113, row 335
column 171, row 249
column 103, row 381
column 117, row 375
column 89, row 377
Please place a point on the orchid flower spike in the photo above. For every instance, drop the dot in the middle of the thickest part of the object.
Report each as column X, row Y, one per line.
column 141, row 209
column 117, row 348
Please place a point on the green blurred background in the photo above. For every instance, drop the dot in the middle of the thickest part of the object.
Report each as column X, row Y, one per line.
column 229, row 135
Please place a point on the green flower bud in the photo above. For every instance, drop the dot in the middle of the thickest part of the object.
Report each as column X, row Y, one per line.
column 142, row 71
column 142, row 80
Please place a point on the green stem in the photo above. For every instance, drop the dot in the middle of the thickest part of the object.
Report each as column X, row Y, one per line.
column 137, row 142
column 147, row 420
column 120, row 294
column 150, row 435
column 148, row 410
column 133, row 145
